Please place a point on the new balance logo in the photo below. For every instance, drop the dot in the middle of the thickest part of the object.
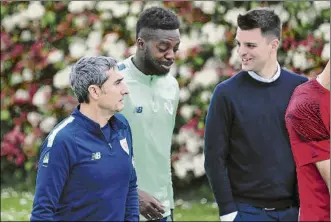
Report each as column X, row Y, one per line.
column 96, row 156
column 139, row 109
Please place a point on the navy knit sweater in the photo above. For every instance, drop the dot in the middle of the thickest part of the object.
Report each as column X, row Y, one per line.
column 247, row 151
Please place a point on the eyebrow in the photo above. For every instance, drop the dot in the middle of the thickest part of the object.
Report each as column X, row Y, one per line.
column 162, row 42
column 246, row 43
column 119, row 80
column 166, row 42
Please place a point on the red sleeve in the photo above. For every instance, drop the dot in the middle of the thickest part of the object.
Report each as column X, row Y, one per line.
column 320, row 150
column 306, row 121
column 325, row 113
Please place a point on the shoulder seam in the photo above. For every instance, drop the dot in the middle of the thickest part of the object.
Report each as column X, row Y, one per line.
column 52, row 136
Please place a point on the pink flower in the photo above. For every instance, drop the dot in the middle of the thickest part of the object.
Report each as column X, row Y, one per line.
column 16, row 51
column 19, row 120
column 32, row 90
column 36, row 48
column 19, row 160
column 11, row 146
column 5, row 40
column 18, row 67
column 192, row 123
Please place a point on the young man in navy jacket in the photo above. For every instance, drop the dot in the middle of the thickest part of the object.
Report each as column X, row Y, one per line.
column 248, row 157
column 86, row 168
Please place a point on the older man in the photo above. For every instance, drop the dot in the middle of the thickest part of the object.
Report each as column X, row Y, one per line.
column 86, row 170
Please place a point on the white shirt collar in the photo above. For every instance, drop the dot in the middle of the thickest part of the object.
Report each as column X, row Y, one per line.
column 262, row 79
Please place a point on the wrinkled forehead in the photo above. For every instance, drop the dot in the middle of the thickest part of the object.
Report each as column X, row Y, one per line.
column 160, row 34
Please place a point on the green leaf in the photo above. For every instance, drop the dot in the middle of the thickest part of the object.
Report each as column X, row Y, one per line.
column 18, row 174
column 326, row 15
column 60, row 65
column 198, row 60
column 8, row 64
column 255, row 4
column 3, row 10
column 48, row 19
column 201, row 125
column 220, row 50
column 15, row 38
column 27, row 130
column 28, row 166
column 5, row 114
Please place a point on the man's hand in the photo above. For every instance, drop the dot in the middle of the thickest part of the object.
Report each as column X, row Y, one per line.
column 149, row 206
column 324, row 169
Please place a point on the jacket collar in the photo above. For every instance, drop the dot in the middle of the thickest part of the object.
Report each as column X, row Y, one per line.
column 140, row 76
column 93, row 126
column 262, row 79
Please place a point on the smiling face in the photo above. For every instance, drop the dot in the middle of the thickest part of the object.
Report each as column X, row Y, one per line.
column 159, row 50
column 255, row 50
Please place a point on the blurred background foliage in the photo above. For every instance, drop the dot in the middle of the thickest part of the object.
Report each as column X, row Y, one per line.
column 41, row 40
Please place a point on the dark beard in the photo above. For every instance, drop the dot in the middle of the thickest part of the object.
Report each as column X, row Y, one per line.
column 153, row 65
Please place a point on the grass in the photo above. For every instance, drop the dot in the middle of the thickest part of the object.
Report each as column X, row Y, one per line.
column 195, row 211
column 16, row 206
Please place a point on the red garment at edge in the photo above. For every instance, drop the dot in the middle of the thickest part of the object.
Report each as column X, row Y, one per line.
column 308, row 125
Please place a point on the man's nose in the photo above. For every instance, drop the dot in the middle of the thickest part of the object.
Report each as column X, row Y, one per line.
column 170, row 55
column 125, row 89
column 241, row 50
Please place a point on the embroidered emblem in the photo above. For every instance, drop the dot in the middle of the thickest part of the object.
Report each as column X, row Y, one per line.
column 46, row 159
column 124, row 145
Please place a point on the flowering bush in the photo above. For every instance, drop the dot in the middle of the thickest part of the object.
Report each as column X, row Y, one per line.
column 41, row 40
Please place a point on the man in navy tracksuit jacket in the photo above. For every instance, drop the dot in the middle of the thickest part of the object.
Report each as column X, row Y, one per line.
column 86, row 168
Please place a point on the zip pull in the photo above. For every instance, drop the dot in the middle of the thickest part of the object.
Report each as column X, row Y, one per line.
column 110, row 146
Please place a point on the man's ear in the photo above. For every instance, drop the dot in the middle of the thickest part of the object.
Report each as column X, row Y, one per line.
column 275, row 44
column 140, row 43
column 94, row 92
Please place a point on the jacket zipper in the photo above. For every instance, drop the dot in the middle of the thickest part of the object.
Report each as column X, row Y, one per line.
column 109, row 144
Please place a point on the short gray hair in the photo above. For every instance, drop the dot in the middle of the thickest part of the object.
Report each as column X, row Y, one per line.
column 89, row 71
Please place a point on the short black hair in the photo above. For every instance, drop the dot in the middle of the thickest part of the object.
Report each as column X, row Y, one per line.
column 263, row 18
column 157, row 18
